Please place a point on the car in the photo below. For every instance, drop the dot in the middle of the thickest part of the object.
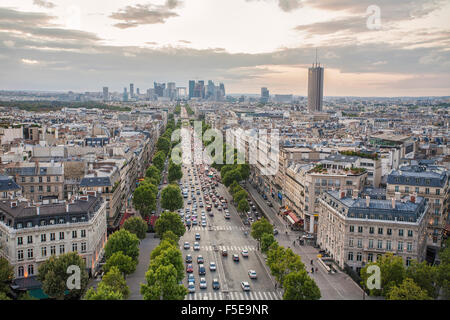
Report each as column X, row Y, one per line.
column 235, row 257
column 269, row 204
column 191, row 287
column 227, row 216
column 191, row 278
column 194, row 222
column 204, row 223
column 197, row 236
column 196, row 246
column 187, row 245
column 252, row 274
column 212, row 266
column 201, row 270
column 224, row 253
column 245, row 253
column 189, row 268
column 200, row 260
column 215, row 284
column 203, row 284
column 245, row 286
column 275, row 232
column 188, row 258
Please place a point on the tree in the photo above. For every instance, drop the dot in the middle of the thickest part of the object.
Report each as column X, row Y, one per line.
column 163, row 245
column 299, row 286
column 226, row 168
column 103, row 292
column 169, row 221
column 407, row 290
column 124, row 263
column 6, row 275
column 443, row 270
column 244, row 170
column 171, row 198
column 392, row 273
column 175, row 172
column 238, row 196
column 171, row 237
column 425, row 276
column 230, row 176
column 124, row 241
column 153, row 173
column 136, row 225
column 170, row 256
column 164, row 144
column 267, row 239
column 159, row 159
column 53, row 276
column 243, row 206
column 144, row 199
column 283, row 261
column 162, row 284
column 115, row 280
column 4, row 297
column 259, row 228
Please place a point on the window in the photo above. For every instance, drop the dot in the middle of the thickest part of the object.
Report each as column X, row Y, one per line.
column 380, row 244
column 400, row 246
column 397, row 189
column 30, row 239
column 360, row 229
column 370, row 257
column 400, row 232
column 61, row 236
column 350, row 256
column 406, row 189
column 389, row 231
column 358, row 256
column 23, row 179
column 30, row 254
column 61, row 249
column 410, row 233
column 359, row 243
column 427, row 190
column 44, row 252
column 74, row 234
column 409, row 246
column 48, row 179
column 43, row 237
column 52, row 236
column 352, row 228
column 370, row 243
column 40, row 179
column 20, row 255
column 380, row 230
column 408, row 261
column 30, row 269
column 41, row 189
column 52, row 250
column 83, row 233
column 83, row 247
column 74, row 247
column 29, row 225
column 19, row 241
column 20, row 272
column 388, row 245
column 31, row 189
column 438, row 192
column 371, row 230
column 49, row 189
column 350, row 242
column 417, row 189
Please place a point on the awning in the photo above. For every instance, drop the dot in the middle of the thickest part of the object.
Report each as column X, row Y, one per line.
column 293, row 217
column 290, row 219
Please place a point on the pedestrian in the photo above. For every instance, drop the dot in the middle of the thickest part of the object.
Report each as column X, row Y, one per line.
column 276, row 286
column 312, row 261
column 312, row 270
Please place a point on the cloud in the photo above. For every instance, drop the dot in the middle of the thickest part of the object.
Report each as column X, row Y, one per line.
column 185, row 41
column 351, row 24
column 140, row 14
column 44, row 4
column 285, row 5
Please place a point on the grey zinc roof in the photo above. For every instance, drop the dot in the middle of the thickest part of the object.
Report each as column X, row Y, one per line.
column 96, row 182
column 436, row 176
column 341, row 158
column 8, row 184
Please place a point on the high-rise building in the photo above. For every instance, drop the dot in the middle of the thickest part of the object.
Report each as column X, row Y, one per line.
column 105, row 94
column 264, row 95
column 191, row 88
column 171, row 90
column 131, row 90
column 222, row 89
column 159, row 88
column 125, row 94
column 137, row 91
column 210, row 90
column 315, row 88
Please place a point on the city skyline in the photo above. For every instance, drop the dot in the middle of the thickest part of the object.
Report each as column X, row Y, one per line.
column 78, row 47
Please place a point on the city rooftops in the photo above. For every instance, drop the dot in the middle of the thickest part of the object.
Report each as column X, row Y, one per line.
column 428, row 176
column 374, row 209
column 8, row 184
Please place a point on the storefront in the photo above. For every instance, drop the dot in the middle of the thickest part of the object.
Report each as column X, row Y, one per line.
column 295, row 222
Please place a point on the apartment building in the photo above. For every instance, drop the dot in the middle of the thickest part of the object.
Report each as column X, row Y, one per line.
column 430, row 182
column 9, row 189
column 355, row 231
column 31, row 233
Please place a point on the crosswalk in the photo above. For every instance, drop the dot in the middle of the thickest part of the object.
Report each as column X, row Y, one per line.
column 219, row 228
column 228, row 248
column 234, row 295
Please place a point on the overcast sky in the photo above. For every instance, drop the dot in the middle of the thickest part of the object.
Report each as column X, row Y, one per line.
column 83, row 45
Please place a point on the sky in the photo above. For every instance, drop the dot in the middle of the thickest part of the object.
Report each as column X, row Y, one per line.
column 368, row 47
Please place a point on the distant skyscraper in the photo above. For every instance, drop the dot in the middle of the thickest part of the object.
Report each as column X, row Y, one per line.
column 222, row 89
column 159, row 88
column 315, row 88
column 137, row 91
column 125, row 94
column 131, row 90
column 264, row 95
column 105, row 94
column 191, row 88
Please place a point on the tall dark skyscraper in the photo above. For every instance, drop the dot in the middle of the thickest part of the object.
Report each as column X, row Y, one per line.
column 264, row 95
column 191, row 88
column 105, row 94
column 315, row 88
column 125, row 94
column 131, row 90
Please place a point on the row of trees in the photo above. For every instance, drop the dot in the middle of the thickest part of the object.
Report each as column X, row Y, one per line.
column 419, row 281
column 285, row 265
column 166, row 270
column 239, row 196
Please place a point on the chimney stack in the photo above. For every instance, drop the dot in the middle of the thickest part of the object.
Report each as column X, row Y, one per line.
column 413, row 197
column 393, row 203
column 342, row 194
column 367, row 201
